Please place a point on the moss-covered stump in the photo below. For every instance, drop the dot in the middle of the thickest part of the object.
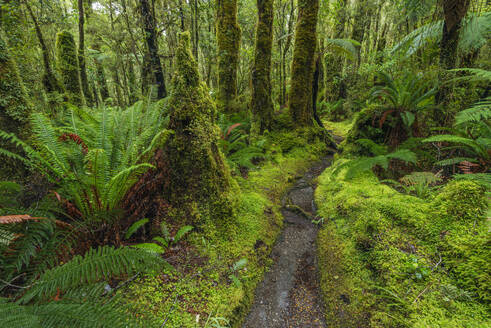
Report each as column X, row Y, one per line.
column 303, row 64
column 200, row 185
column 14, row 108
column 67, row 64
column 262, row 104
column 228, row 42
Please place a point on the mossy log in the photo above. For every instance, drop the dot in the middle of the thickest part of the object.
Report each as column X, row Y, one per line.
column 67, row 63
column 199, row 181
column 228, row 42
column 303, row 64
column 261, row 103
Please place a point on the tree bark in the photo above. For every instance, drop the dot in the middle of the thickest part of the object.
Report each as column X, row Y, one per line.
column 50, row 82
column 228, row 42
column 262, row 104
column 304, row 63
column 153, row 49
column 81, row 53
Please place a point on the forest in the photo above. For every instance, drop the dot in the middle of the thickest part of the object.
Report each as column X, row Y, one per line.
column 245, row 163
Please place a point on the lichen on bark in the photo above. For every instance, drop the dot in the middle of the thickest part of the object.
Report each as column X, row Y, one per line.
column 67, row 64
column 261, row 102
column 228, row 43
column 200, row 187
column 304, row 63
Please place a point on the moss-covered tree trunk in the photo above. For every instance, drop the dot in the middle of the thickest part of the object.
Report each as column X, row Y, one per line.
column 14, row 108
column 228, row 42
column 67, row 63
column 262, row 104
column 153, row 48
column 50, row 81
column 454, row 12
column 199, row 182
column 81, row 53
column 303, row 64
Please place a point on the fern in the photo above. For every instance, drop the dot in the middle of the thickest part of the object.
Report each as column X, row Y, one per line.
column 346, row 47
column 97, row 264
column 363, row 164
column 484, row 179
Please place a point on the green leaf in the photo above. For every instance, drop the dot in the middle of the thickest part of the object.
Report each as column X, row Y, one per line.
column 181, row 232
column 134, row 227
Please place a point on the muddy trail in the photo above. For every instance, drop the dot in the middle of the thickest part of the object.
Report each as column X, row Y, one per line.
column 289, row 296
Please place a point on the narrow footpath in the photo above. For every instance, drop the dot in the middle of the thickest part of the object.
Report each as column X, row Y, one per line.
column 289, row 295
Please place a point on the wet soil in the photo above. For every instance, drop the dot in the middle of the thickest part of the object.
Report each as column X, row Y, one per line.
column 289, row 295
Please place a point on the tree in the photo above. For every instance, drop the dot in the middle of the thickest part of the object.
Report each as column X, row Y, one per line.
column 199, row 181
column 81, row 53
column 153, row 47
column 14, row 106
column 303, row 64
column 262, row 104
column 50, row 81
column 228, row 43
column 67, row 63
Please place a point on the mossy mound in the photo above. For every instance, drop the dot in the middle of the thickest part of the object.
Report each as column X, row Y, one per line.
column 394, row 260
column 200, row 187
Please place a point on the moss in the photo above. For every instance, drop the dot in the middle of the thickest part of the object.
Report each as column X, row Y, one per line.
column 67, row 63
column 262, row 103
column 228, row 43
column 202, row 283
column 200, row 185
column 402, row 260
column 303, row 63
column 15, row 107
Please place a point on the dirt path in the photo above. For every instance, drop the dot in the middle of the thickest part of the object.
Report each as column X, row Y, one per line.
column 289, row 294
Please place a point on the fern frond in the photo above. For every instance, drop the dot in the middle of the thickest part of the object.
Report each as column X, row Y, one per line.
column 479, row 111
column 345, row 47
column 17, row 316
column 483, row 179
column 97, row 264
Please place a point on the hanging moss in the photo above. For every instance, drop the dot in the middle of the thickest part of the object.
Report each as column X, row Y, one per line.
column 67, row 63
column 14, row 107
column 200, row 186
column 303, row 63
column 228, row 42
column 262, row 104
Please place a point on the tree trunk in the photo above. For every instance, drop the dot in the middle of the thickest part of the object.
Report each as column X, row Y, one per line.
column 262, row 104
column 454, row 12
column 153, row 49
column 67, row 62
column 50, row 82
column 228, row 43
column 81, row 53
column 304, row 63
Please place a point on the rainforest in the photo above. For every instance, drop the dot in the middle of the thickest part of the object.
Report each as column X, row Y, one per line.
column 245, row 163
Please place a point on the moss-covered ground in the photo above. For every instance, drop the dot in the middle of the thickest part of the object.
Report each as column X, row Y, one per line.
column 394, row 260
column 216, row 273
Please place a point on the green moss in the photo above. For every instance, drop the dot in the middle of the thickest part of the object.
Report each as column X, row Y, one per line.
column 200, row 185
column 262, row 104
column 402, row 260
column 303, row 63
column 228, row 43
column 202, row 283
column 15, row 107
column 67, row 64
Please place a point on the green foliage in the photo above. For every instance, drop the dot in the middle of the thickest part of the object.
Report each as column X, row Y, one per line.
column 94, row 156
column 406, row 96
column 360, row 165
column 346, row 47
